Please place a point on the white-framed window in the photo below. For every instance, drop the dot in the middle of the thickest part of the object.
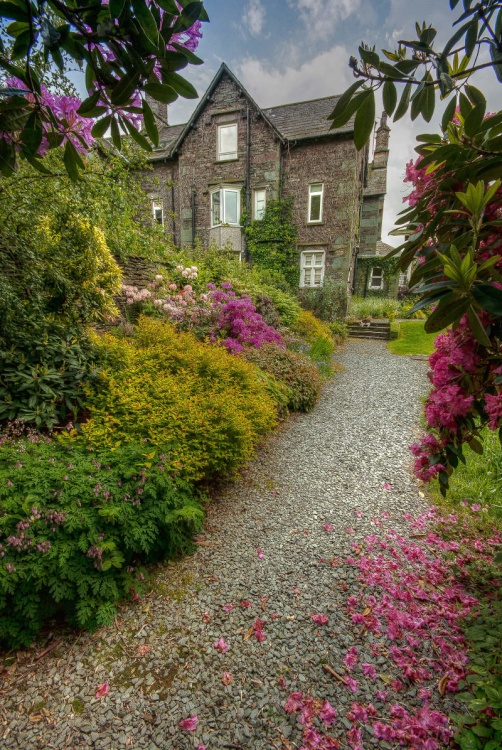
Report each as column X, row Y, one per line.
column 376, row 278
column 316, row 191
column 312, row 268
column 225, row 207
column 158, row 212
column 227, row 142
column 259, row 204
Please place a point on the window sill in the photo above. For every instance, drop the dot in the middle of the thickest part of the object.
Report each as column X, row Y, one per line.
column 315, row 223
column 225, row 161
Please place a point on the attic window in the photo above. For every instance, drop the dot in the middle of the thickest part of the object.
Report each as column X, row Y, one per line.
column 227, row 142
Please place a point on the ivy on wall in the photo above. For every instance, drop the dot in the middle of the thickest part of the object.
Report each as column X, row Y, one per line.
column 272, row 241
column 389, row 268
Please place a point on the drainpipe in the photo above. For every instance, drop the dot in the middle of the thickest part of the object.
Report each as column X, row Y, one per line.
column 365, row 292
column 354, row 276
column 193, row 216
column 173, row 213
column 248, row 178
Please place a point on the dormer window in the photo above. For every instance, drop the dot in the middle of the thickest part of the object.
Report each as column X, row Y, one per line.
column 227, row 142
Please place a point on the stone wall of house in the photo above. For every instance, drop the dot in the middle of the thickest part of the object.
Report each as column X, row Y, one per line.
column 336, row 164
column 196, row 170
column 161, row 183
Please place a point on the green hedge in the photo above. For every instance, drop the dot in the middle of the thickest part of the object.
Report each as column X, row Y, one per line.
column 74, row 524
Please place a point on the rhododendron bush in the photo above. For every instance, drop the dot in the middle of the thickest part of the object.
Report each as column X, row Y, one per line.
column 126, row 50
column 453, row 224
column 218, row 314
column 459, row 264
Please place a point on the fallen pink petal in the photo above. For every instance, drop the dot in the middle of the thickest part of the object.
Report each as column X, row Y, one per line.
column 228, row 607
column 260, row 553
column 221, row 645
column 328, row 528
column 102, row 690
column 387, row 486
column 190, row 724
column 319, row 619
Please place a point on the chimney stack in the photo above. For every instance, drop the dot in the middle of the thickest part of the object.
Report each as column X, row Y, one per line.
column 159, row 110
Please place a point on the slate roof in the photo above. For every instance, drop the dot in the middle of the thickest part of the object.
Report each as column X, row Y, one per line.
column 306, row 119
column 292, row 122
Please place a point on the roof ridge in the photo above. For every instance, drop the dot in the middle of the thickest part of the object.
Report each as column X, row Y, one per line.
column 303, row 101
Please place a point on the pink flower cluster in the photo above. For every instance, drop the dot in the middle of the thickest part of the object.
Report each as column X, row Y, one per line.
column 218, row 314
column 310, row 709
column 70, row 125
column 462, row 374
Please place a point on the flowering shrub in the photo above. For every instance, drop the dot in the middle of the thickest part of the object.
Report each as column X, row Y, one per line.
column 466, row 368
column 127, row 51
column 76, row 523
column 294, row 370
column 218, row 314
column 205, row 409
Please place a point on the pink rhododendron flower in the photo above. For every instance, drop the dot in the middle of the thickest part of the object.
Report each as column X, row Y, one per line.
column 221, row 645
column 102, row 690
column 319, row 619
column 190, row 724
column 327, row 714
column 369, row 671
column 475, row 507
column 258, row 630
column 351, row 657
column 351, row 684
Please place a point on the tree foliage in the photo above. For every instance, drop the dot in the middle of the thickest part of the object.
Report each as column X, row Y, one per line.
column 126, row 49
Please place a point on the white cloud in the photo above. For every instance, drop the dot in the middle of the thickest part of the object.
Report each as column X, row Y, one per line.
column 320, row 15
column 324, row 75
column 254, row 17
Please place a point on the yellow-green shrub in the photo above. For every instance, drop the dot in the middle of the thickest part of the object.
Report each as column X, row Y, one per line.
column 311, row 328
column 200, row 405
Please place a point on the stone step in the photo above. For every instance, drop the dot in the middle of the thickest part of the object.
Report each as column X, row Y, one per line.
column 366, row 334
column 369, row 328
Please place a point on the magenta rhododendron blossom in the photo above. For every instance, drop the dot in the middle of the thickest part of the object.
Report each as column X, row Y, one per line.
column 221, row 645
column 369, row 670
column 319, row 619
column 327, row 714
column 352, row 655
column 190, row 724
column 102, row 690
column 258, row 630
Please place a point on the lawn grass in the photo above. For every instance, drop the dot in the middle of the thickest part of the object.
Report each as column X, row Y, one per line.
column 412, row 338
column 478, row 481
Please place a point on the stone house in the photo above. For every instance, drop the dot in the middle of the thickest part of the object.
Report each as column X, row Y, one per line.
column 233, row 156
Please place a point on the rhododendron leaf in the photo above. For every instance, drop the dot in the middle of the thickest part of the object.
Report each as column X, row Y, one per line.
column 477, row 328
column 146, row 20
column 339, row 112
column 488, row 297
column 448, row 311
column 116, row 7
column 364, row 119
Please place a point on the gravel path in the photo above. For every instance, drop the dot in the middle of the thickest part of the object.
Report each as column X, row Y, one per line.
column 328, row 466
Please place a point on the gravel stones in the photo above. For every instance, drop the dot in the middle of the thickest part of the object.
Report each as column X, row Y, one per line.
column 325, row 467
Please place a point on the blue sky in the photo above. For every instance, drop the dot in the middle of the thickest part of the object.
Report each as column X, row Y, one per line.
column 294, row 50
